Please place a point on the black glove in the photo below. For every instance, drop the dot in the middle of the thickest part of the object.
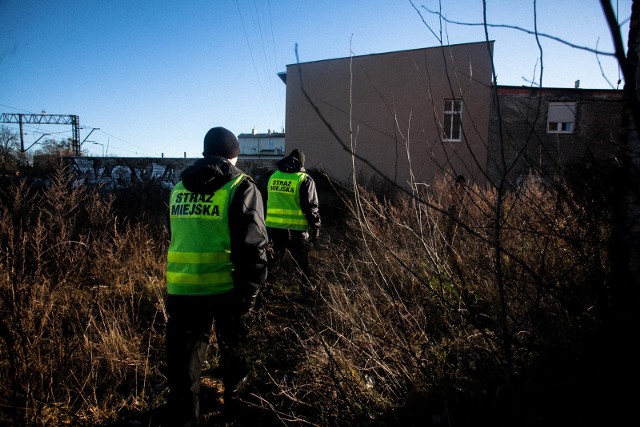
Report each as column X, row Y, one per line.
column 314, row 233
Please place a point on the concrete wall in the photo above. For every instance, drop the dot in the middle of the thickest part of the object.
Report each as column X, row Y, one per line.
column 121, row 172
column 388, row 109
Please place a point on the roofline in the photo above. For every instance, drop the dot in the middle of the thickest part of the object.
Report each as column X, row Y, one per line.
column 528, row 89
column 260, row 135
column 393, row 51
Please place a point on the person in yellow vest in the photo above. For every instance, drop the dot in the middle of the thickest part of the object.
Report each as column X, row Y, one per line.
column 216, row 264
column 292, row 215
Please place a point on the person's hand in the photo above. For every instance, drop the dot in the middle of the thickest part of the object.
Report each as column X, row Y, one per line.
column 314, row 233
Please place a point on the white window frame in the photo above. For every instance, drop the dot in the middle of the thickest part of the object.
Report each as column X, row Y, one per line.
column 452, row 110
column 561, row 117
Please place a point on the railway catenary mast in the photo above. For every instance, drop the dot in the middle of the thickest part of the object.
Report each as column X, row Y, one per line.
column 49, row 119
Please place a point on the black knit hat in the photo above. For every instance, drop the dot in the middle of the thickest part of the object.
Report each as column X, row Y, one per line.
column 298, row 154
column 221, row 142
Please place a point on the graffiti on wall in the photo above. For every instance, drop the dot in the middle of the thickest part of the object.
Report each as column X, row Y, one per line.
column 122, row 172
column 117, row 173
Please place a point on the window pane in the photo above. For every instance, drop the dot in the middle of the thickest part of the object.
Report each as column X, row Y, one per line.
column 452, row 119
column 561, row 117
column 447, row 126
column 455, row 131
column 561, row 111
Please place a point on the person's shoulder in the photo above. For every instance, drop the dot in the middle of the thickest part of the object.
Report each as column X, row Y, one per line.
column 249, row 179
column 247, row 182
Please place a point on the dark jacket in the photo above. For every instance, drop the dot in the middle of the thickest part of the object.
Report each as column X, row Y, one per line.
column 246, row 220
column 308, row 193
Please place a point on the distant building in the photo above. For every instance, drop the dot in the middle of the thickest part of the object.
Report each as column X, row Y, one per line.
column 549, row 131
column 261, row 144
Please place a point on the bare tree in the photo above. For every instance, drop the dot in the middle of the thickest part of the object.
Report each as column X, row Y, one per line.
column 55, row 147
column 625, row 237
column 9, row 147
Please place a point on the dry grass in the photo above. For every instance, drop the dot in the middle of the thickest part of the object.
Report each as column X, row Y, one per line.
column 440, row 308
column 80, row 297
column 457, row 306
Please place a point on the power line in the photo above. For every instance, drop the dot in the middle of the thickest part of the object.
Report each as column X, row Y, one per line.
column 261, row 68
column 140, row 149
column 273, row 44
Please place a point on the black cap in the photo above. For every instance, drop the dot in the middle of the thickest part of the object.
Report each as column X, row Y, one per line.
column 221, row 142
column 298, row 154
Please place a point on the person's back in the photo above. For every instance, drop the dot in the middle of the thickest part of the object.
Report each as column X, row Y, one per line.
column 292, row 211
column 216, row 264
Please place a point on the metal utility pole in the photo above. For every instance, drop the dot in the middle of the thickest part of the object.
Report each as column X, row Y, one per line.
column 48, row 119
column 41, row 136
column 83, row 141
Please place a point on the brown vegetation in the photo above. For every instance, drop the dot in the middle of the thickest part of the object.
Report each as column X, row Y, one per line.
column 453, row 305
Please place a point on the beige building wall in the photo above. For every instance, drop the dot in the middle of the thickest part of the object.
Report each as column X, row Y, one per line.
column 388, row 109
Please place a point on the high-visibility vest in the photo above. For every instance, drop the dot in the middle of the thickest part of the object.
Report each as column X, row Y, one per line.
column 199, row 256
column 283, row 201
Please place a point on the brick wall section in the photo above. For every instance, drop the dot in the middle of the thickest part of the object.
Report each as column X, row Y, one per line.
column 517, row 131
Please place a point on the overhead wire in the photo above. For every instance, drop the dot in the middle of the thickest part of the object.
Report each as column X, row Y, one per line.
column 265, row 79
column 140, row 149
column 253, row 60
column 260, row 37
column 281, row 101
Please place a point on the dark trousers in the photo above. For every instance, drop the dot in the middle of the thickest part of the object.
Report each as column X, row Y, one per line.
column 297, row 242
column 187, row 339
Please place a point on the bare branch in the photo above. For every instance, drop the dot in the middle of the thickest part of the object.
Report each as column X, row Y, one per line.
column 517, row 28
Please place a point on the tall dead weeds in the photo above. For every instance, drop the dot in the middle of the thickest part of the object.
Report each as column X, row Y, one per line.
column 416, row 320
column 80, row 303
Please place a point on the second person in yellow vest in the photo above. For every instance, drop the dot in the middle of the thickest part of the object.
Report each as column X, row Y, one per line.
column 292, row 212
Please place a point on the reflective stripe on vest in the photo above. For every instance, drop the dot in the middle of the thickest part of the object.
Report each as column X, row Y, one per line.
column 198, row 260
column 283, row 202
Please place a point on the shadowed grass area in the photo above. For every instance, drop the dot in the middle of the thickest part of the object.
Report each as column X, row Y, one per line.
column 431, row 309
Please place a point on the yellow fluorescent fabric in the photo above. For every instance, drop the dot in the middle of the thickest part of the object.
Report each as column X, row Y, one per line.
column 283, row 202
column 199, row 256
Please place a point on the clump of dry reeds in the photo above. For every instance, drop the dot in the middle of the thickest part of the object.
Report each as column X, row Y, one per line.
column 80, row 303
column 453, row 304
